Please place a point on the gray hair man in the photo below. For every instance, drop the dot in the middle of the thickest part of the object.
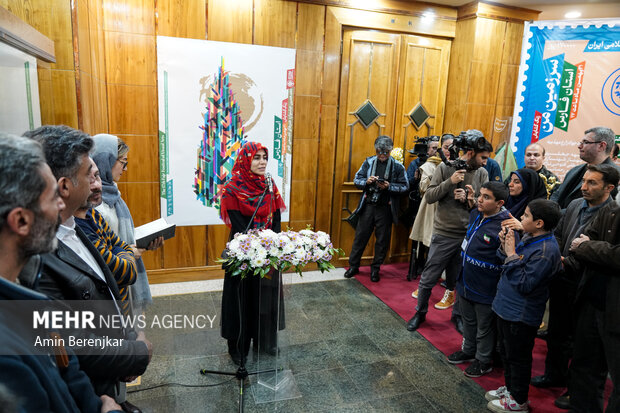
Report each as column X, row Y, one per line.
column 594, row 149
column 29, row 216
column 383, row 181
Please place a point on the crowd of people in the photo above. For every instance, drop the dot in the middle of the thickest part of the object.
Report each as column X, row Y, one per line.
column 506, row 249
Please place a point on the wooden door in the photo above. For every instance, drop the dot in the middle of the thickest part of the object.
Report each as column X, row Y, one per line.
column 394, row 73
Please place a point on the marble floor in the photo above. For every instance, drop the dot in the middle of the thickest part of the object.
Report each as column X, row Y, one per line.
column 347, row 350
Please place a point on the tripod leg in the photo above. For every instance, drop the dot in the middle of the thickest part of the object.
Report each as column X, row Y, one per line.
column 412, row 275
column 241, row 388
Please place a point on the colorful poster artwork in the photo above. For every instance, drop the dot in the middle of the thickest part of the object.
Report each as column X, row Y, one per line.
column 569, row 81
column 213, row 97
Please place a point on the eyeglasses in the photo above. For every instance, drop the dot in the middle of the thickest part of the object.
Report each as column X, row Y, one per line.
column 124, row 164
column 382, row 152
column 585, row 142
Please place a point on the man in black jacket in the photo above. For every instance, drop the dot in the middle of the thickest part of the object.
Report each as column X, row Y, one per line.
column 594, row 149
column 597, row 334
column 76, row 271
column 29, row 216
column 598, row 182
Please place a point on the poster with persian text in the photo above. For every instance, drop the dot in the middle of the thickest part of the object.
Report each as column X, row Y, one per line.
column 569, row 81
column 213, row 97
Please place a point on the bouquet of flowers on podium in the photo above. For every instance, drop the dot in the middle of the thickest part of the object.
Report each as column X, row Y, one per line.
column 260, row 250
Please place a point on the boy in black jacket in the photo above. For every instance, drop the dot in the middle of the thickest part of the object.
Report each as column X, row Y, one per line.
column 478, row 279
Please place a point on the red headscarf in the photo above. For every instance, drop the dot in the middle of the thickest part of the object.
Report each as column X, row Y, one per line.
column 244, row 189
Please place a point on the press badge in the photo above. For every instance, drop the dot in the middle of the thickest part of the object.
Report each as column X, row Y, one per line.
column 464, row 244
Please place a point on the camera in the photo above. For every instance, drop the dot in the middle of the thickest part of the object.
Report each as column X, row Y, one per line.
column 465, row 141
column 420, row 148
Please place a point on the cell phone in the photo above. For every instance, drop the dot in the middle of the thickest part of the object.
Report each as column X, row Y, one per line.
column 381, row 180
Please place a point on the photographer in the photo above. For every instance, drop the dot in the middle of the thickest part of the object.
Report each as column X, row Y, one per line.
column 449, row 187
column 383, row 181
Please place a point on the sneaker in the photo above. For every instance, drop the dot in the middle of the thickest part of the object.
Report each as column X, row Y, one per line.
column 497, row 394
column 415, row 293
column 447, row 301
column 478, row 368
column 459, row 357
column 507, row 404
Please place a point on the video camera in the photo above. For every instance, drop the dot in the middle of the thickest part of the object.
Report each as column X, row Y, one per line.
column 465, row 141
column 420, row 148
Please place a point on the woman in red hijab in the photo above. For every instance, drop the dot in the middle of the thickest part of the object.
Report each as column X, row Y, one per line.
column 241, row 197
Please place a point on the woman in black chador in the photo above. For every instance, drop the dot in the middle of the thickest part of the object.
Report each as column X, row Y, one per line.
column 254, row 303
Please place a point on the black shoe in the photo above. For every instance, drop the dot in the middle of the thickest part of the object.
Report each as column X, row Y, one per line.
column 545, row 381
column 458, row 324
column 459, row 357
column 351, row 272
column 542, row 334
column 374, row 275
column 416, row 321
column 129, row 408
column 563, row 402
column 478, row 369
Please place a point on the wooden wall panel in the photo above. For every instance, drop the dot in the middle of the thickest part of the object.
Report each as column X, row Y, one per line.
column 182, row 18
column 59, row 29
column 485, row 77
column 308, row 79
column 142, row 200
column 129, row 16
column 306, row 117
column 143, row 158
column 131, row 59
column 326, row 161
column 310, row 26
column 64, row 98
column 331, row 64
column 217, row 236
column 230, row 21
column 302, row 204
column 275, row 23
column 305, row 154
column 132, row 110
column 188, row 248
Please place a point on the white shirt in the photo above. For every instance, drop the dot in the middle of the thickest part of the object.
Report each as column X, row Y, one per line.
column 67, row 235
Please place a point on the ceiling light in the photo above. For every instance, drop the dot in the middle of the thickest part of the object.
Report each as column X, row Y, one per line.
column 573, row 15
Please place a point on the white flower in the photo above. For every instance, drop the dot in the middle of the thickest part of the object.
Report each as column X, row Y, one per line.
column 267, row 233
column 233, row 246
column 258, row 261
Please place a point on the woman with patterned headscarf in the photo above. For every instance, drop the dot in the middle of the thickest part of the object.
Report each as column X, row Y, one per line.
column 249, row 190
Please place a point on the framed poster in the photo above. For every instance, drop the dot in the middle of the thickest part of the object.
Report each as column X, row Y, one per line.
column 213, row 96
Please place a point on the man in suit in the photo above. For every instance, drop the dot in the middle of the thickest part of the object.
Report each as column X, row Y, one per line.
column 29, row 216
column 76, row 270
column 597, row 333
column 594, row 149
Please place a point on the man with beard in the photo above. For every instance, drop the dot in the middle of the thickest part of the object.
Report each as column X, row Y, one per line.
column 29, row 216
column 118, row 255
column 76, row 271
column 449, row 187
column 594, row 149
column 598, row 182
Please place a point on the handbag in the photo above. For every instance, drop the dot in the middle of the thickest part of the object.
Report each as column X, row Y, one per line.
column 353, row 219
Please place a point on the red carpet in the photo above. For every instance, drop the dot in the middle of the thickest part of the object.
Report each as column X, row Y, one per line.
column 395, row 291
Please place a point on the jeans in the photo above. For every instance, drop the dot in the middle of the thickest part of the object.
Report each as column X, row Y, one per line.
column 516, row 342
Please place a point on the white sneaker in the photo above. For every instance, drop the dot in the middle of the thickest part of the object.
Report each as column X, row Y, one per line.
column 447, row 301
column 507, row 404
column 497, row 394
column 415, row 293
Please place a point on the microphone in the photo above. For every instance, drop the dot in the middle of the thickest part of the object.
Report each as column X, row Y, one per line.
column 269, row 182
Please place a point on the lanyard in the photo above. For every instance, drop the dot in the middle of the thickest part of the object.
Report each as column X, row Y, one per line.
column 472, row 231
column 521, row 245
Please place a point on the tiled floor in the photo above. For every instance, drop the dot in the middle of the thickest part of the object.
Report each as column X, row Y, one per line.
column 348, row 352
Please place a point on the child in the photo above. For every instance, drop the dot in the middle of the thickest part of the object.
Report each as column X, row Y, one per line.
column 521, row 297
column 477, row 282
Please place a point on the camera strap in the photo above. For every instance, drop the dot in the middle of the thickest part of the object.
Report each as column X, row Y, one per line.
column 388, row 168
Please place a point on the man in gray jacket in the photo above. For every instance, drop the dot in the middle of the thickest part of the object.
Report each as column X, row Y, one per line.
column 449, row 188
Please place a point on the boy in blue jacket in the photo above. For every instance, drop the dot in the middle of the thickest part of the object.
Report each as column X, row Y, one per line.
column 521, row 297
column 477, row 282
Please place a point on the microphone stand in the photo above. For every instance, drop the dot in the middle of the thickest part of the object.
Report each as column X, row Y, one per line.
column 241, row 374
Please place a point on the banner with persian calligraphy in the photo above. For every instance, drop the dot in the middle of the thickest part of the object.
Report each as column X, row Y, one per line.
column 569, row 81
column 214, row 97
